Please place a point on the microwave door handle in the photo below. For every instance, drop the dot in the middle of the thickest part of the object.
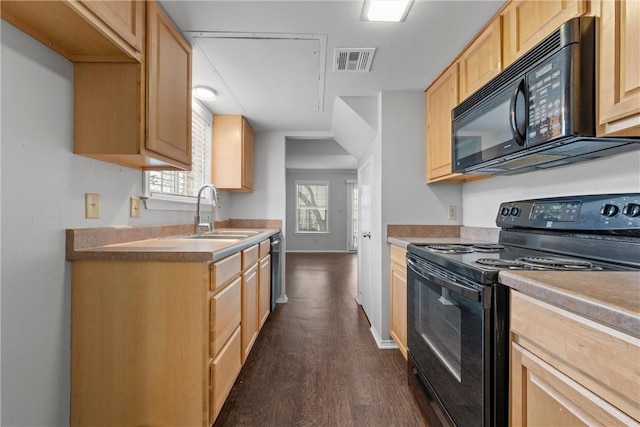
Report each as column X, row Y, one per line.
column 469, row 293
column 515, row 120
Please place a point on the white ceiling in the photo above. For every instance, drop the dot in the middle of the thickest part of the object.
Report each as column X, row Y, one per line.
column 272, row 61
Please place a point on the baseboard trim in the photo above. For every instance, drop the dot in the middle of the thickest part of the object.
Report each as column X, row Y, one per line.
column 282, row 300
column 382, row 344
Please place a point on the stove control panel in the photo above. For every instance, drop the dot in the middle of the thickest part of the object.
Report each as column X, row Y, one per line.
column 586, row 213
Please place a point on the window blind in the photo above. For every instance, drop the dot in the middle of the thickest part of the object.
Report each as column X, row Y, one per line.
column 187, row 183
column 312, row 203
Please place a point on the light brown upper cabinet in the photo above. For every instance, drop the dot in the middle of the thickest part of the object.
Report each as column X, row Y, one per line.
column 86, row 31
column 169, row 88
column 232, row 153
column 440, row 98
column 138, row 114
column 132, row 77
column 619, row 68
column 527, row 22
column 481, row 61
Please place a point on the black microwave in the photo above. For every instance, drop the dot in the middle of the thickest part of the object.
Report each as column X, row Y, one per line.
column 537, row 113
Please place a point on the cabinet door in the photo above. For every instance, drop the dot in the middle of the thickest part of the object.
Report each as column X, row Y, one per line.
column 543, row 396
column 398, row 321
column 249, row 310
column 619, row 73
column 264, row 295
column 526, row 22
column 125, row 18
column 169, row 88
column 440, row 99
column 224, row 371
column 225, row 315
column 481, row 61
column 232, row 157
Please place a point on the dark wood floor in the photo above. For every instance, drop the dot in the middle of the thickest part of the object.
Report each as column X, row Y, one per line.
column 315, row 362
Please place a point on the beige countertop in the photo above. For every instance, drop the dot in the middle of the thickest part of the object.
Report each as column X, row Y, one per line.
column 611, row 298
column 106, row 244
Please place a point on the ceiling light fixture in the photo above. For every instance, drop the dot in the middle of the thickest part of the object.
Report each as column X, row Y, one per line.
column 204, row 93
column 385, row 10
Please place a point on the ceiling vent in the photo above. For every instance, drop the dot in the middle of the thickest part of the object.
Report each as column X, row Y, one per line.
column 356, row 60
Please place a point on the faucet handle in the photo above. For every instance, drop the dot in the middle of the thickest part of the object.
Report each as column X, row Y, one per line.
column 202, row 227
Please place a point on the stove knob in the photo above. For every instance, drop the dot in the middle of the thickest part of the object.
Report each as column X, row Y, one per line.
column 515, row 211
column 609, row 210
column 631, row 209
column 504, row 211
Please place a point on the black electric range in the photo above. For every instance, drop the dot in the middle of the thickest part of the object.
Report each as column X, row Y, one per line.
column 458, row 311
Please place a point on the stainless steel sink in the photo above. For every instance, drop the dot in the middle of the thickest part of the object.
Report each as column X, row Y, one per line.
column 225, row 235
column 220, row 236
column 238, row 232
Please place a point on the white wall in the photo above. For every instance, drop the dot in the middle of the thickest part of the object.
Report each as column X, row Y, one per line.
column 42, row 194
column 399, row 193
column 615, row 174
column 336, row 239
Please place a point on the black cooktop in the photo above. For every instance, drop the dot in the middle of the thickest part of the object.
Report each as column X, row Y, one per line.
column 483, row 261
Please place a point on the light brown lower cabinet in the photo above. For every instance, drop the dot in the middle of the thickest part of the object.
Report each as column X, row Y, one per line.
column 140, row 338
column 567, row 370
column 159, row 343
column 398, row 292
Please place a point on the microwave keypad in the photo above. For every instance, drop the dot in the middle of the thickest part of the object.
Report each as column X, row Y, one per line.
column 545, row 103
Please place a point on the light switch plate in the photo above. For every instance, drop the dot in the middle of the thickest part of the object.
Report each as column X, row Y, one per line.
column 134, row 207
column 91, row 205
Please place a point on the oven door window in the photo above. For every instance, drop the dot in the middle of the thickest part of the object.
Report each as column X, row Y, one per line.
column 438, row 322
column 446, row 338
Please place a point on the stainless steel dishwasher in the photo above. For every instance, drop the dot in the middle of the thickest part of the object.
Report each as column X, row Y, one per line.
column 276, row 265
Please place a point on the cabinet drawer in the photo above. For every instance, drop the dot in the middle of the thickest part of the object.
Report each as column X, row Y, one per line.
column 225, row 314
column 224, row 371
column 250, row 256
column 265, row 248
column 600, row 358
column 223, row 271
column 399, row 255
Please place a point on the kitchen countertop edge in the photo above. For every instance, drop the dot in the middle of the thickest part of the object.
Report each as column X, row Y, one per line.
column 613, row 300
column 120, row 252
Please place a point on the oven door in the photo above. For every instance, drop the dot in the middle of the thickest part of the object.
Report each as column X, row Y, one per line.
column 449, row 321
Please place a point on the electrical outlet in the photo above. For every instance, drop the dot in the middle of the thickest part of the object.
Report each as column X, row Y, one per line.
column 134, row 207
column 453, row 212
column 91, row 205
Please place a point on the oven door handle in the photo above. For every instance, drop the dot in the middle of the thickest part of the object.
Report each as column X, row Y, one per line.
column 467, row 292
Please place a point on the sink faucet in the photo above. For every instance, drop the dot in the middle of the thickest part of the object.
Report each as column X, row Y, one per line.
column 215, row 203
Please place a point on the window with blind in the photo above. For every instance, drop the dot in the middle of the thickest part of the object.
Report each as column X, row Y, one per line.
column 312, row 207
column 187, row 183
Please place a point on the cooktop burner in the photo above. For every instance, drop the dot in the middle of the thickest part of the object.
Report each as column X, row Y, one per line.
column 559, row 263
column 454, row 248
column 538, row 263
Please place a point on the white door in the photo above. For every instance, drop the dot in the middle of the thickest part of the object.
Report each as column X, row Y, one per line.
column 365, row 289
column 352, row 216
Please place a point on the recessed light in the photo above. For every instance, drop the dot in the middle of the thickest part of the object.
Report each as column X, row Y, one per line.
column 204, row 93
column 385, row 10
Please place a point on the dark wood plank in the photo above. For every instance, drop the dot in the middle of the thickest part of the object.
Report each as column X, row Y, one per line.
column 315, row 362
